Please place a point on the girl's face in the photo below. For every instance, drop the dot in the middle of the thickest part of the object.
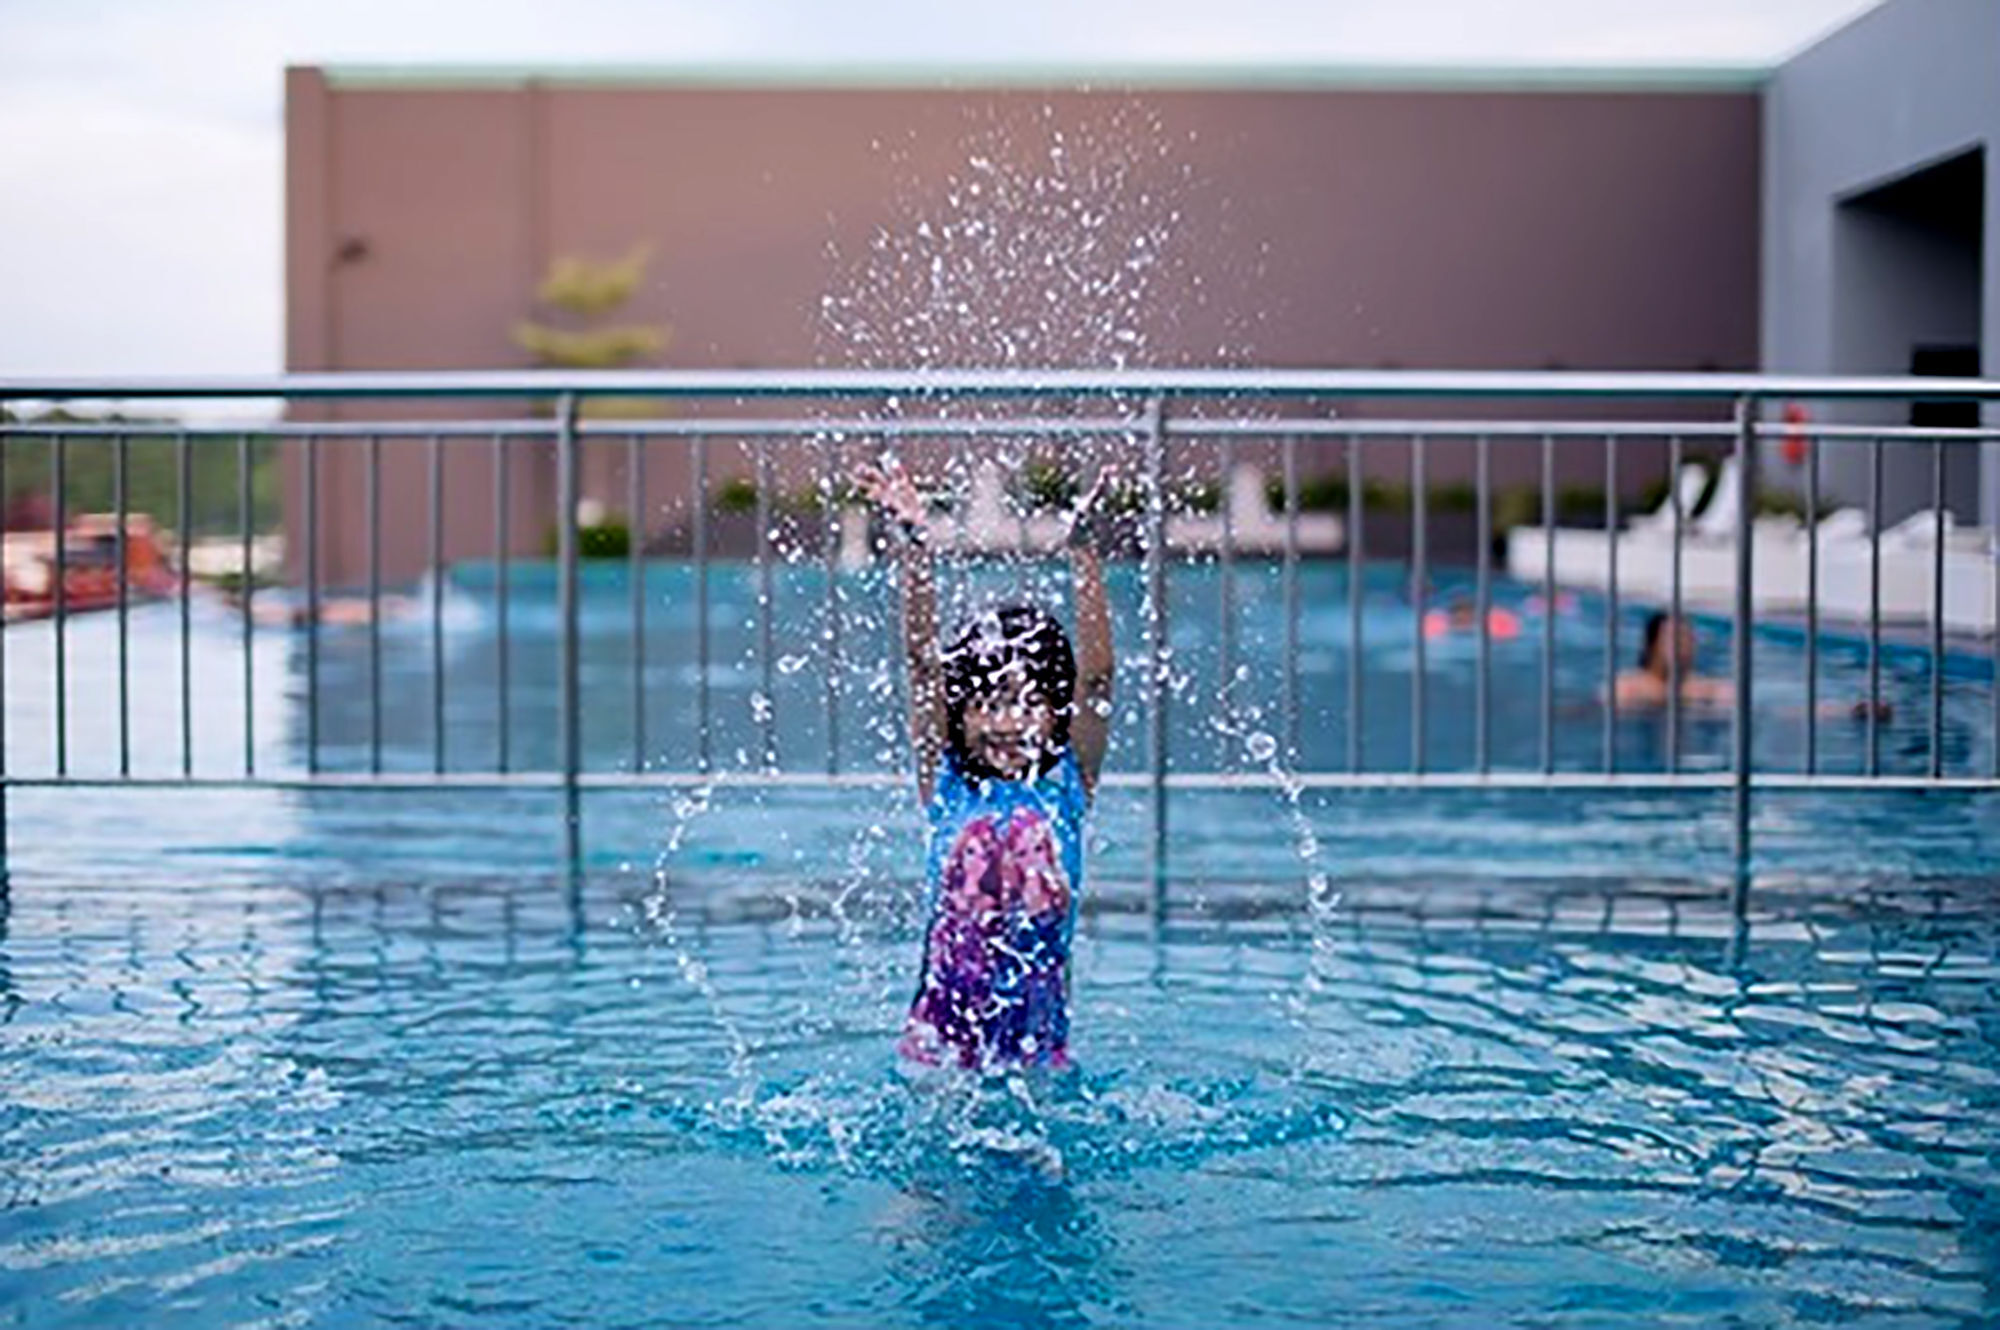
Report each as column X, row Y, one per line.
column 1010, row 726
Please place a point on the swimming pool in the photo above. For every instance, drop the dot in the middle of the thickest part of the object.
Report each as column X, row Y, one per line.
column 1219, row 719
column 491, row 1104
column 313, row 1058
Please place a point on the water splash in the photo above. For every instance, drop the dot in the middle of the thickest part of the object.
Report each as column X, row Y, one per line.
column 1052, row 243
column 659, row 922
column 1073, row 1127
column 1262, row 749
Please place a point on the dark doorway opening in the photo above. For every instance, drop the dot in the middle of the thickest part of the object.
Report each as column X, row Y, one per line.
column 1946, row 362
column 1908, row 268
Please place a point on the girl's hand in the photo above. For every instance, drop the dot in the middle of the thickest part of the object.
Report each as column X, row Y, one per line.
column 1090, row 522
column 890, row 488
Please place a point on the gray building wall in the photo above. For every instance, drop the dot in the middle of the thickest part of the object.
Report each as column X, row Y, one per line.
column 1860, row 263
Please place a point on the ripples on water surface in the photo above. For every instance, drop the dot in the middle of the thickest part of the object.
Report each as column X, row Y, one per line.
column 499, row 1104
column 259, row 1066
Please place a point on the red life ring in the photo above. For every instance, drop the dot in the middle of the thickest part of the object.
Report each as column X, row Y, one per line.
column 1793, row 444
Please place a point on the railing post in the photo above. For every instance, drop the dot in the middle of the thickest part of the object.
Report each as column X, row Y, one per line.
column 1741, row 733
column 1157, row 658
column 570, row 718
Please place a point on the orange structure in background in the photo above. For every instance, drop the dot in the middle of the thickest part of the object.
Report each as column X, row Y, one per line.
column 89, row 566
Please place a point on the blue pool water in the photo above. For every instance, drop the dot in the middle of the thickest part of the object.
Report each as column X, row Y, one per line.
column 315, row 1058
column 1218, row 720
column 491, row 1104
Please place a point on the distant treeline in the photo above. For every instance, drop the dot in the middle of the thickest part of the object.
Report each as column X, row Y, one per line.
column 151, row 477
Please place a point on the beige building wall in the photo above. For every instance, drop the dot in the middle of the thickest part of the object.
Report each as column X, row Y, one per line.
column 1312, row 225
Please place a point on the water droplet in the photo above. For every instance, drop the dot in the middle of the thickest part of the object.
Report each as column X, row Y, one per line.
column 791, row 664
column 1261, row 746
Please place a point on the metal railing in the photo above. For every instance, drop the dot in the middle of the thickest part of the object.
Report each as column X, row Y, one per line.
column 1145, row 411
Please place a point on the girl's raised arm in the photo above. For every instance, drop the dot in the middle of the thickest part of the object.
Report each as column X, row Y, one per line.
column 890, row 488
column 1096, row 663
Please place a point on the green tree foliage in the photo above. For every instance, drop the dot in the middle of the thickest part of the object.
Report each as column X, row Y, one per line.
column 151, row 475
column 608, row 538
column 736, row 495
column 579, row 296
column 590, row 289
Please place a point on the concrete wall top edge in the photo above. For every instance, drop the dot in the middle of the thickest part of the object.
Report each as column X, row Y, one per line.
column 1717, row 78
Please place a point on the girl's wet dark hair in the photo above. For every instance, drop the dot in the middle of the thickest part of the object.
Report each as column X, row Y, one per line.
column 1013, row 639
column 1649, row 638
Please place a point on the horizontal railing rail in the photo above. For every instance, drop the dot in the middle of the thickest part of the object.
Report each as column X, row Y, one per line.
column 1133, row 384
column 1143, row 413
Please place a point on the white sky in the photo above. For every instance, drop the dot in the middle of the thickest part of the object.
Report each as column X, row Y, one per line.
column 141, row 153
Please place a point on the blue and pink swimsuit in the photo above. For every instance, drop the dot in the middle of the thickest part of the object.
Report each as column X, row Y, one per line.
column 1005, row 864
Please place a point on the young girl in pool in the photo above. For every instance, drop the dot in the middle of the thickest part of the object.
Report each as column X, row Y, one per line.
column 1009, row 726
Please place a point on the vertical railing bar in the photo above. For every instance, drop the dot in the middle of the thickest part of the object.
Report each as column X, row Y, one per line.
column 1157, row 654
column 248, row 587
column 1018, row 505
column 374, row 506
column 1874, row 757
column 60, row 481
column 1548, row 742
column 502, row 501
column 1289, row 461
column 1356, row 525
column 312, row 601
column 1937, row 608
column 635, row 584
column 1225, row 610
column 122, row 547
column 1610, row 604
column 184, row 593
column 830, row 612
column 568, row 664
column 1419, row 594
column 1482, row 693
column 1674, row 664
column 434, row 448
column 767, row 714
column 1812, row 608
column 704, row 746
column 1741, row 729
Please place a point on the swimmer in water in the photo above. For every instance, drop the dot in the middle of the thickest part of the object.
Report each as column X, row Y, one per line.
column 1462, row 616
column 1667, row 640
column 1009, row 724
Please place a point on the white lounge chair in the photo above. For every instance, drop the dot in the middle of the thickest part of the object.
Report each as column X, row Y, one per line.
column 1582, row 555
column 1969, row 590
column 1778, row 555
column 1646, row 550
column 1908, row 560
column 988, row 525
column 1688, row 486
column 1252, row 527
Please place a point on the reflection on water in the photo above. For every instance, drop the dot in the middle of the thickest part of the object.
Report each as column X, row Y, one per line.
column 999, row 1245
column 1474, row 1103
